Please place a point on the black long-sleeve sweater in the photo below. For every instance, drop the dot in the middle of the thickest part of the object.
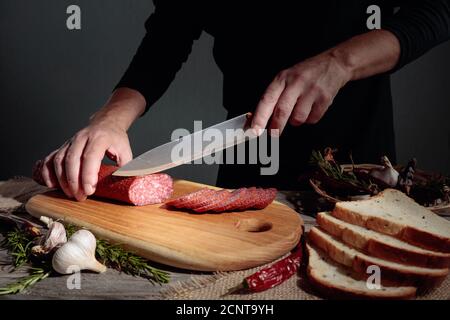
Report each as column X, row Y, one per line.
column 256, row 40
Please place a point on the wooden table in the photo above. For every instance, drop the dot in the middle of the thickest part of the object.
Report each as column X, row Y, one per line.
column 110, row 285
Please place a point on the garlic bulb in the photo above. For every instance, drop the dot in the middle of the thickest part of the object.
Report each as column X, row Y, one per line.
column 386, row 174
column 77, row 254
column 56, row 236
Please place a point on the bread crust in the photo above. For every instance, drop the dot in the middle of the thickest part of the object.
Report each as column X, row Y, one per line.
column 383, row 249
column 330, row 290
column 360, row 264
column 408, row 234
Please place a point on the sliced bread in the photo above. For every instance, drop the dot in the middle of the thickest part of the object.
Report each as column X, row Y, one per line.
column 380, row 245
column 360, row 262
column 334, row 280
column 393, row 213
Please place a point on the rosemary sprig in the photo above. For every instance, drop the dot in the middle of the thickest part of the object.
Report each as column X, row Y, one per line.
column 19, row 245
column 36, row 275
column 335, row 171
column 114, row 256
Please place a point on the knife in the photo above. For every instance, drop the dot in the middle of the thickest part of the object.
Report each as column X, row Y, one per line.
column 233, row 132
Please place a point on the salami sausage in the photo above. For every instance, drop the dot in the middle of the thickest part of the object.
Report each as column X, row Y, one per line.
column 138, row 191
column 209, row 200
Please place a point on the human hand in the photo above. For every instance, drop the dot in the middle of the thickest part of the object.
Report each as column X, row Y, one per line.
column 300, row 94
column 75, row 165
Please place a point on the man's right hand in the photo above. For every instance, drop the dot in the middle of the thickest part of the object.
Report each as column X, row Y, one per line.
column 75, row 165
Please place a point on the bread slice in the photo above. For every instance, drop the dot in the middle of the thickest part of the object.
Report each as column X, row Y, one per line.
column 360, row 262
column 393, row 213
column 336, row 281
column 380, row 245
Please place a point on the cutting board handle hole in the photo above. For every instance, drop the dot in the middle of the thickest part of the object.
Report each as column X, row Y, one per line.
column 253, row 225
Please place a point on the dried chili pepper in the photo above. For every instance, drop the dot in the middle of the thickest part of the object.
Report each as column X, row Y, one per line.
column 273, row 275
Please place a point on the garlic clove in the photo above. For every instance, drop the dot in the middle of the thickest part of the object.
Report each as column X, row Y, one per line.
column 77, row 254
column 56, row 236
column 46, row 220
column 387, row 174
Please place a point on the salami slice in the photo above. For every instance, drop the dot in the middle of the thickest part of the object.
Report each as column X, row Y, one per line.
column 209, row 200
column 230, row 201
column 180, row 202
column 251, row 197
column 270, row 195
column 201, row 201
column 217, row 199
column 139, row 191
column 239, row 201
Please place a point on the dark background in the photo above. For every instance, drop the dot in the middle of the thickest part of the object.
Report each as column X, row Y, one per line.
column 52, row 79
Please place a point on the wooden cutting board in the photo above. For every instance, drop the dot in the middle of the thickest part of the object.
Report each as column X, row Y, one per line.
column 204, row 242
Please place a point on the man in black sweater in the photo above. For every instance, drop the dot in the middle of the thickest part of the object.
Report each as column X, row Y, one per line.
column 310, row 69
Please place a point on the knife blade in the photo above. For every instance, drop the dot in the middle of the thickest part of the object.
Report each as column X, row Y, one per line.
column 233, row 132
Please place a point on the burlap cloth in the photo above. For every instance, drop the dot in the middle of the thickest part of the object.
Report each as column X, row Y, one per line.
column 15, row 192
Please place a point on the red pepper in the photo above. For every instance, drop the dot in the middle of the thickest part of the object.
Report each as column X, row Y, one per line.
column 273, row 275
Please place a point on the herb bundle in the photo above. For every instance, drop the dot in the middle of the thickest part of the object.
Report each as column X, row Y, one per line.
column 335, row 176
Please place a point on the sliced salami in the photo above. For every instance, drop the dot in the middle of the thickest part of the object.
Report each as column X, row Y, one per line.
column 239, row 201
column 219, row 198
column 230, row 201
column 201, row 201
column 270, row 195
column 180, row 202
column 209, row 200
column 251, row 197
